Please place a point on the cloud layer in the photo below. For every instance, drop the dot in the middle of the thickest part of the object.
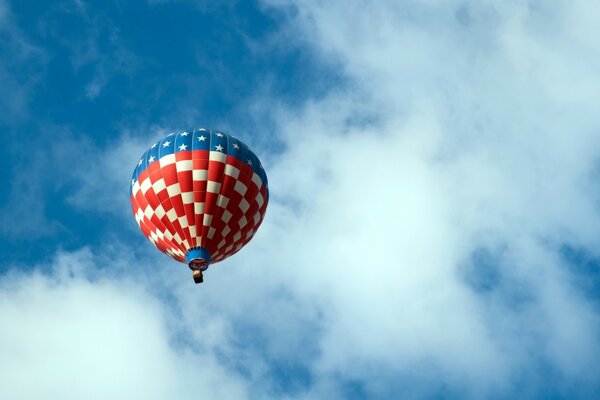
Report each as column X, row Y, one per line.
column 440, row 189
column 68, row 332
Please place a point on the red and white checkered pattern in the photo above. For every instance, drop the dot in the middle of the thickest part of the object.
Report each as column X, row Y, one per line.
column 199, row 198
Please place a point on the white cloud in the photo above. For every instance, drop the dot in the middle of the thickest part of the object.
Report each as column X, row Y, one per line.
column 484, row 135
column 70, row 332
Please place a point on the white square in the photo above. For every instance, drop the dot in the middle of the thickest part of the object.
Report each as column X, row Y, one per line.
column 213, row 187
column 260, row 200
column 225, row 231
column 222, row 201
column 139, row 215
column 167, row 160
column 159, row 186
column 226, row 216
column 148, row 212
column 183, row 222
column 232, row 171
column 187, row 197
column 174, row 190
column 240, row 188
column 257, row 181
column 145, row 185
column 184, row 165
column 160, row 211
column 172, row 215
column 200, row 174
column 177, row 238
column 244, row 205
column 217, row 156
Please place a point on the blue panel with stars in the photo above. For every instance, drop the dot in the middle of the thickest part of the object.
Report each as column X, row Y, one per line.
column 183, row 141
column 218, row 141
column 201, row 139
column 166, row 145
column 151, row 155
column 141, row 165
column 236, row 148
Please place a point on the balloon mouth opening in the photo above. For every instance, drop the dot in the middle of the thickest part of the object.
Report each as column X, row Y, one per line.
column 198, row 259
column 198, row 263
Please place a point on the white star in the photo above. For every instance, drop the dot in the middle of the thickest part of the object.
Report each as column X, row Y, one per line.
column 236, row 146
column 154, row 145
column 201, row 129
column 140, row 163
column 183, row 147
column 219, row 134
column 166, row 144
column 219, row 147
column 171, row 134
column 249, row 162
column 202, row 138
column 151, row 159
column 184, row 134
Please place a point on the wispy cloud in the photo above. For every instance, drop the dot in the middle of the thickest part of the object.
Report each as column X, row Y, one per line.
column 21, row 67
column 102, row 179
column 100, row 48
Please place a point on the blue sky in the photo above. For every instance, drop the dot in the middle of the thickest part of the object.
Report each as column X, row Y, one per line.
column 83, row 73
column 433, row 226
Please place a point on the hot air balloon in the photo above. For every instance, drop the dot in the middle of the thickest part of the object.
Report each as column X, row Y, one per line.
column 199, row 196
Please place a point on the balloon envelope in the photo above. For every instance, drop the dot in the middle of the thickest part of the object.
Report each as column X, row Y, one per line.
column 199, row 196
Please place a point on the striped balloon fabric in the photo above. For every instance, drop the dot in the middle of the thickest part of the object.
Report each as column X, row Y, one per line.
column 199, row 196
